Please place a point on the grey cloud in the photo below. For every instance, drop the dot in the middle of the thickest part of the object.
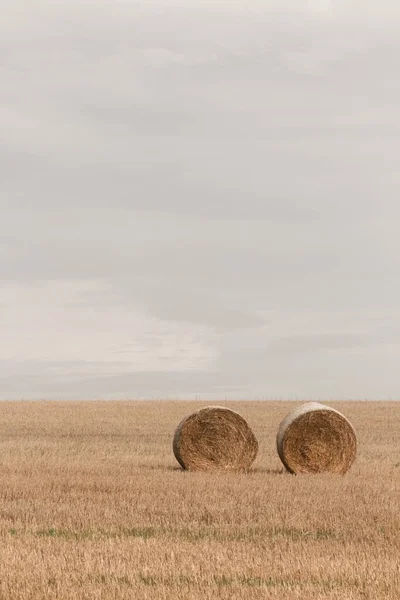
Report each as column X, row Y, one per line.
column 228, row 164
column 202, row 270
column 276, row 184
column 182, row 304
column 85, row 380
column 320, row 343
column 240, row 132
column 243, row 376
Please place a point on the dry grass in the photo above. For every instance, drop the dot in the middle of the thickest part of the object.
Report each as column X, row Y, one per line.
column 93, row 506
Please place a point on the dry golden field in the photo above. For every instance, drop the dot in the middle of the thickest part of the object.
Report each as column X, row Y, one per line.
column 95, row 506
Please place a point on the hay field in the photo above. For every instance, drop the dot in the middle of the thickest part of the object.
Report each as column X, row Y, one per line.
column 94, row 506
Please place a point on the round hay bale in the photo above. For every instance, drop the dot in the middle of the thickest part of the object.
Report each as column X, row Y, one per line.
column 316, row 439
column 214, row 438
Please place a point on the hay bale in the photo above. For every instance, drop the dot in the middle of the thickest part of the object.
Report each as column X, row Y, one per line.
column 214, row 438
column 316, row 439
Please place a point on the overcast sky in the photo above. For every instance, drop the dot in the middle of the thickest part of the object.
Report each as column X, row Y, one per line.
column 200, row 199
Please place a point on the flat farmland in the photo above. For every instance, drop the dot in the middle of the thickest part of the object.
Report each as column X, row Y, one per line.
column 93, row 505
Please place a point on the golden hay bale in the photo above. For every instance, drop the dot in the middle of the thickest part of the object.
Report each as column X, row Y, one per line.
column 316, row 439
column 214, row 438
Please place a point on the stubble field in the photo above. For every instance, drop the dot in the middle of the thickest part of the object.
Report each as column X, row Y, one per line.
column 94, row 506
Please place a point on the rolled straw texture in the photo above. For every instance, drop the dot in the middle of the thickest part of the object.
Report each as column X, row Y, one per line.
column 316, row 439
column 214, row 438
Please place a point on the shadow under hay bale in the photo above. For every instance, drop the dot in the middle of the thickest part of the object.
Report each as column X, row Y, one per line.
column 215, row 438
column 316, row 439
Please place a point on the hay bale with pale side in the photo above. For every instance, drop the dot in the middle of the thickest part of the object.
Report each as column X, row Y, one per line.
column 215, row 438
column 316, row 439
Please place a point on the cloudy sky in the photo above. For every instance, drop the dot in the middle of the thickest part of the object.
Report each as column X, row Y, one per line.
column 200, row 199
